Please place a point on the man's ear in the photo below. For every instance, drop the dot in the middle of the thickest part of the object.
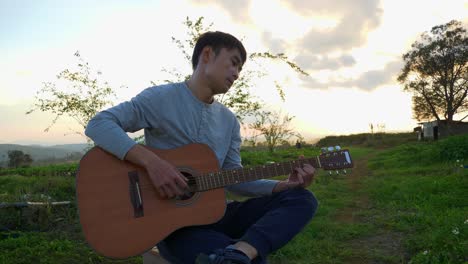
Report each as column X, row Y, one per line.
column 206, row 54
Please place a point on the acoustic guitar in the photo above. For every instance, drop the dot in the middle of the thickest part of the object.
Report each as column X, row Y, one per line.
column 122, row 215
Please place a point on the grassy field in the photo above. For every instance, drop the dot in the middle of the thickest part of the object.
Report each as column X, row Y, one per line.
column 402, row 203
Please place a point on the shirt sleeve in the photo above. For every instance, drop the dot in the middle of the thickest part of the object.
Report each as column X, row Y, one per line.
column 108, row 128
column 233, row 161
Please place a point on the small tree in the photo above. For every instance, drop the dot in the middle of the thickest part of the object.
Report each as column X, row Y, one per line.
column 436, row 72
column 239, row 98
column 273, row 127
column 81, row 98
column 16, row 158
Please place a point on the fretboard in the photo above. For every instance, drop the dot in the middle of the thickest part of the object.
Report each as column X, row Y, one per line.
column 223, row 178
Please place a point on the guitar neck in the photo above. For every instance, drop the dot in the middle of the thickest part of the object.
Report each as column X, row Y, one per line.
column 214, row 180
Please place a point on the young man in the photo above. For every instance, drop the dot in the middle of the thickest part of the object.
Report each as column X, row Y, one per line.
column 177, row 114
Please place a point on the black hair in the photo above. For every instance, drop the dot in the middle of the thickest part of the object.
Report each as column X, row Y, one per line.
column 217, row 40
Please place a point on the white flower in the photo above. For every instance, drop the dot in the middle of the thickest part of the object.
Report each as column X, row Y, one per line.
column 455, row 231
column 466, row 221
column 458, row 161
column 425, row 252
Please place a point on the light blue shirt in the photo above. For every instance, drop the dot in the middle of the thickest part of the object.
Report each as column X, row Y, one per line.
column 171, row 117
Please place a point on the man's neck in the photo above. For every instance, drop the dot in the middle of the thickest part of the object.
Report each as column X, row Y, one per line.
column 200, row 89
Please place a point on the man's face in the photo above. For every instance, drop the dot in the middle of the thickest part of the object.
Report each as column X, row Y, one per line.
column 222, row 70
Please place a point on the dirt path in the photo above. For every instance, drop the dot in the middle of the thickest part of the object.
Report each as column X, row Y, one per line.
column 384, row 246
column 361, row 200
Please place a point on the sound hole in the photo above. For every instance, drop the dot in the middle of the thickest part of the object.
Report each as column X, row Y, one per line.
column 191, row 183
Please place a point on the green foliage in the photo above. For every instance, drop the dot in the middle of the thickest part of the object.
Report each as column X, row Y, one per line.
column 423, row 196
column 447, row 150
column 67, row 169
column 30, row 247
column 453, row 148
column 16, row 158
column 38, row 188
column 436, row 72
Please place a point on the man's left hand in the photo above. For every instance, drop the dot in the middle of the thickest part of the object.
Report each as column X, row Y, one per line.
column 301, row 177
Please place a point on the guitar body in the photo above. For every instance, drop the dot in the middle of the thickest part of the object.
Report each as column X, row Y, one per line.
column 111, row 223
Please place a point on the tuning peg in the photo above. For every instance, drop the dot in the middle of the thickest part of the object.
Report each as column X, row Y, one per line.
column 330, row 173
column 345, row 172
column 337, row 172
column 337, row 148
column 331, row 149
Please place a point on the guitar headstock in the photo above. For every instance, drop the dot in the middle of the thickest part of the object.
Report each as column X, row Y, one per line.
column 335, row 158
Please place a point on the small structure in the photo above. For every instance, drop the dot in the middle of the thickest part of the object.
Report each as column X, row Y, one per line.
column 434, row 130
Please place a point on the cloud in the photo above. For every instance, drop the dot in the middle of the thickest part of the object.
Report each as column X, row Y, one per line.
column 275, row 45
column 238, row 10
column 367, row 81
column 312, row 83
column 356, row 19
column 312, row 62
column 372, row 79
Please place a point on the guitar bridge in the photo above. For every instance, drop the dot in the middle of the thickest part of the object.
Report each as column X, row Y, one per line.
column 135, row 194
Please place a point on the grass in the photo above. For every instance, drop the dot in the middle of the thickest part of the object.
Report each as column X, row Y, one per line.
column 404, row 203
column 409, row 207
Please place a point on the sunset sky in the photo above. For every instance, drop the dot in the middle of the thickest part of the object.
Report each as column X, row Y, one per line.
column 351, row 49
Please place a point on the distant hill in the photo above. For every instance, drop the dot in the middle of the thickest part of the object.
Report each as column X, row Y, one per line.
column 369, row 140
column 43, row 153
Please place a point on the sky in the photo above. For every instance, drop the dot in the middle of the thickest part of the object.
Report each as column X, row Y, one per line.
column 352, row 51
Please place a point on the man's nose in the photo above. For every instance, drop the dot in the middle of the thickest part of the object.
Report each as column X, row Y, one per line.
column 236, row 74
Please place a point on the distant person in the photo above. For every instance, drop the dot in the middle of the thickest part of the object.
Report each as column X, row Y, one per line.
column 298, row 144
column 173, row 115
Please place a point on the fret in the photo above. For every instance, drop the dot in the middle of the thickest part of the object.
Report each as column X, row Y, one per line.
column 239, row 176
column 234, row 174
column 208, row 181
column 199, row 180
column 235, row 178
column 204, row 182
column 219, row 176
column 227, row 177
column 211, row 181
column 215, row 179
column 219, row 179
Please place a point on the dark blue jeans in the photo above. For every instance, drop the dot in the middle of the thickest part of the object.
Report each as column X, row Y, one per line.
column 267, row 223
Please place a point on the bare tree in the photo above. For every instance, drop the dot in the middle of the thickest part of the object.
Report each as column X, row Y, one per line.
column 274, row 127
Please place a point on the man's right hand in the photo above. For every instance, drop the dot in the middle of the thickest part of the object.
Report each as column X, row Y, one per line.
column 166, row 179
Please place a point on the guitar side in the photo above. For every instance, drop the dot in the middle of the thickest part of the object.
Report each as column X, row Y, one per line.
column 114, row 226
